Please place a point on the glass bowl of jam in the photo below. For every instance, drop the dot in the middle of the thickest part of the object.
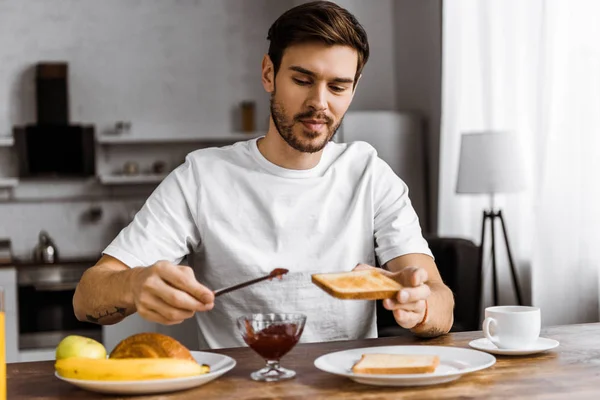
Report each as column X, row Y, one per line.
column 272, row 336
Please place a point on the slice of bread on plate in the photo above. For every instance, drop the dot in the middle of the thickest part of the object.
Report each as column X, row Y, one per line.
column 366, row 284
column 396, row 364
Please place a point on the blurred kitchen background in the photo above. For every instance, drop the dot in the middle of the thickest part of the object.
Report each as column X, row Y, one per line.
column 136, row 85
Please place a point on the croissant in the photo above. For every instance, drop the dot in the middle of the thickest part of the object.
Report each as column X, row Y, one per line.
column 151, row 345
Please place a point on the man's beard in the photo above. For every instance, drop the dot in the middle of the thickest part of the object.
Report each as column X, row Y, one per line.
column 285, row 128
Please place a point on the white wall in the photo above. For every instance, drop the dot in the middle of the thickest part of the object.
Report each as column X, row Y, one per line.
column 172, row 63
column 185, row 65
column 166, row 66
column 377, row 87
column 66, row 222
column 418, row 66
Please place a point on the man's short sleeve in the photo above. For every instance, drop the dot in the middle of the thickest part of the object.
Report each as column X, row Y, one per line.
column 166, row 226
column 397, row 229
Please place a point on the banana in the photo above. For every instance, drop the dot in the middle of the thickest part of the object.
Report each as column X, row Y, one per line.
column 127, row 369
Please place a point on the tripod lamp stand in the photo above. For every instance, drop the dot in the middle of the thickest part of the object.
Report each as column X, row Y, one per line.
column 491, row 163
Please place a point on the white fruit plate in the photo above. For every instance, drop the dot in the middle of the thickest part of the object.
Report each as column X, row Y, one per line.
column 219, row 364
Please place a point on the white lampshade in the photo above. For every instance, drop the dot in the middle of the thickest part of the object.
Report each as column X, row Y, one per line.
column 490, row 162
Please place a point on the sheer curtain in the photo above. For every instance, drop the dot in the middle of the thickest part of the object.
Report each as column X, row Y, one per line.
column 531, row 67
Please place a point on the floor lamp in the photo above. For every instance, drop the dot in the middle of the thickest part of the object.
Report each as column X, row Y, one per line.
column 491, row 163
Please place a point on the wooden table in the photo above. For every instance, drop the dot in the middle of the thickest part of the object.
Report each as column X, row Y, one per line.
column 571, row 371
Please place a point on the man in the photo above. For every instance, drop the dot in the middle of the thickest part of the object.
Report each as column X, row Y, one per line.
column 292, row 199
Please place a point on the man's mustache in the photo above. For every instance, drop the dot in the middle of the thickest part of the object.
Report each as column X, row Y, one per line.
column 313, row 115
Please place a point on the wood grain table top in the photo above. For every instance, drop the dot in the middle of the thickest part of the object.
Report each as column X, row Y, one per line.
column 570, row 371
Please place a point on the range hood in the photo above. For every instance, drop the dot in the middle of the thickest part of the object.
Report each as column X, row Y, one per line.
column 53, row 146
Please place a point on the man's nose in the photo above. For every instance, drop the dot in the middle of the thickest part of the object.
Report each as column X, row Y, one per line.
column 317, row 99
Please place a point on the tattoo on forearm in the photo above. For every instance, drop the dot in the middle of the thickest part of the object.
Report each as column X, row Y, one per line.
column 119, row 311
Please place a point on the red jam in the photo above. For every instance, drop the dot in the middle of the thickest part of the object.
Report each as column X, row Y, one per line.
column 278, row 272
column 273, row 342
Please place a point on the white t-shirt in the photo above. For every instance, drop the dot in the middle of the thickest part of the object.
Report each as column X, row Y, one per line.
column 238, row 216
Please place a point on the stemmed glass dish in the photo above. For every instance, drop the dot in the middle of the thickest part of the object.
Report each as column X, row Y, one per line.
column 272, row 336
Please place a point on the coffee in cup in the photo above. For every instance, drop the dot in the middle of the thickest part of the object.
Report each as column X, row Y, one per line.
column 512, row 327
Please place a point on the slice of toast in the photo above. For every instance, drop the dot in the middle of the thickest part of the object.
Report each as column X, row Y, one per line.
column 396, row 364
column 358, row 285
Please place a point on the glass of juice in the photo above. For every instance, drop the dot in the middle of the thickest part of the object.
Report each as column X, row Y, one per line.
column 2, row 349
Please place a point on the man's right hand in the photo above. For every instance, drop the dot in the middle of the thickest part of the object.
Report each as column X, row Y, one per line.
column 168, row 294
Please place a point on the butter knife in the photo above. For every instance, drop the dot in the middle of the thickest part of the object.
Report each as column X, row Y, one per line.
column 277, row 272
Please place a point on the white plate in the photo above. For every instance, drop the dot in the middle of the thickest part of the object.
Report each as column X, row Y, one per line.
column 454, row 363
column 542, row 344
column 219, row 364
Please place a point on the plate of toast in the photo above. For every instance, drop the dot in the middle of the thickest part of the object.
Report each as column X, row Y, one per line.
column 404, row 365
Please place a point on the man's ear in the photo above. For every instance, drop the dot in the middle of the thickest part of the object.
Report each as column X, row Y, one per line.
column 268, row 74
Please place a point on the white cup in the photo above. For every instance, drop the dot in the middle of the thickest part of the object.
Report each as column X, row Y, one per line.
column 512, row 327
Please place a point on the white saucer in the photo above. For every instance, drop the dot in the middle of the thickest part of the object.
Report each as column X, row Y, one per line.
column 542, row 344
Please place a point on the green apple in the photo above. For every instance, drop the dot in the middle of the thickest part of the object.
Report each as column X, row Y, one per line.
column 79, row 346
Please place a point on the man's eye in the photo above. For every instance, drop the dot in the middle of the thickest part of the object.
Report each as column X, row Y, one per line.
column 301, row 82
column 337, row 89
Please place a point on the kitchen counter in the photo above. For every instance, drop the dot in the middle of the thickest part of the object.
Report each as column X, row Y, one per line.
column 21, row 263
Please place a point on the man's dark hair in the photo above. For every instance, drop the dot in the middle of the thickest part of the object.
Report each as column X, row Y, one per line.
column 318, row 21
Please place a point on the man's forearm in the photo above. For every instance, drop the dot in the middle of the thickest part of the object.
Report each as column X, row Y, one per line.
column 103, row 295
column 440, row 313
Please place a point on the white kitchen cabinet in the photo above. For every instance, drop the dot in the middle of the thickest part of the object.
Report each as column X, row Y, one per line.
column 8, row 281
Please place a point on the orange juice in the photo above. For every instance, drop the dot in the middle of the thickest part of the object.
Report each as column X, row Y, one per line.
column 2, row 357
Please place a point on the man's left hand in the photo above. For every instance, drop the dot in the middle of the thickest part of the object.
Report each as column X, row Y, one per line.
column 410, row 304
